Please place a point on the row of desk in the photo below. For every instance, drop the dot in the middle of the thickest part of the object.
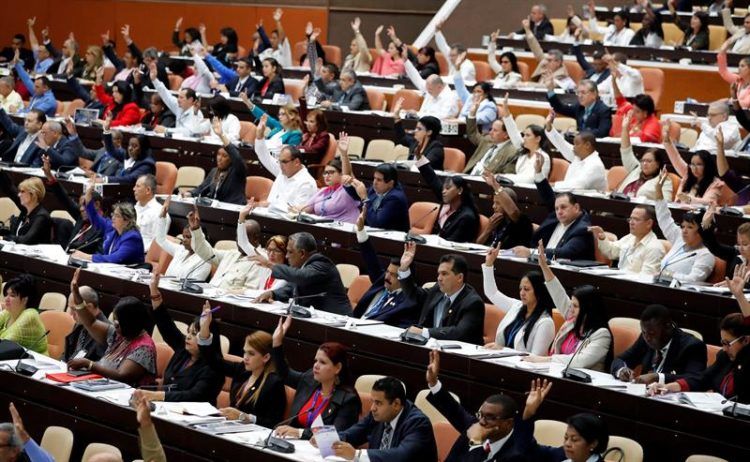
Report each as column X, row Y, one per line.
column 666, row 431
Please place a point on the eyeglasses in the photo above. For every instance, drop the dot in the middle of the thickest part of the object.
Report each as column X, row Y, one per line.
column 488, row 417
column 696, row 165
column 329, row 172
column 724, row 343
column 277, row 251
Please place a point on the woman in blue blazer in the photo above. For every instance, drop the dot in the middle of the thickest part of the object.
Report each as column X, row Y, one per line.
column 123, row 243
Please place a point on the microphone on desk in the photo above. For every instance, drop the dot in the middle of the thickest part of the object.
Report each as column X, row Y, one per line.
column 412, row 237
column 729, row 210
column 658, row 279
column 576, row 374
column 280, row 444
column 297, row 311
column 27, row 369
column 85, row 244
column 734, row 411
column 191, row 287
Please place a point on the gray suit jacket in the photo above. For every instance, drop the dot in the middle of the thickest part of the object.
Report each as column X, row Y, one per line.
column 503, row 161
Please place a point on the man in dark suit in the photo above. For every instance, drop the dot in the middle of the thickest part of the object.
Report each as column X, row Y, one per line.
column 395, row 429
column 664, row 351
column 590, row 112
column 62, row 151
column 565, row 230
column 349, row 93
column 69, row 52
column 451, row 309
column 309, row 273
column 596, row 71
column 388, row 207
column 486, row 437
column 23, row 149
column 384, row 300
column 18, row 43
column 327, row 80
column 540, row 24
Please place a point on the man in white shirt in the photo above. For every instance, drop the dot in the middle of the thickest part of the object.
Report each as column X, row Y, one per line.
column 186, row 108
column 739, row 35
column 586, row 170
column 293, row 186
column 147, row 209
column 455, row 53
column 629, row 80
column 439, row 100
column 717, row 119
column 10, row 100
column 638, row 252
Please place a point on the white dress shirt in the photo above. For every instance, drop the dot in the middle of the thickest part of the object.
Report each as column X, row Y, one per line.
column 644, row 256
column 296, row 190
column 445, row 106
column 189, row 122
column 235, row 271
column 230, row 127
column 707, row 139
column 25, row 144
column 183, row 264
column 525, row 164
column 694, row 269
column 13, row 100
column 467, row 69
column 630, row 81
column 588, row 173
column 610, row 36
column 147, row 219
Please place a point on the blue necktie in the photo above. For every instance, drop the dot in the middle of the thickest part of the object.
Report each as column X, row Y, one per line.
column 440, row 309
column 378, row 306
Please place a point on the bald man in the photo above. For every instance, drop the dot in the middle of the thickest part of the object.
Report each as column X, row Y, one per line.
column 62, row 151
column 79, row 344
column 439, row 100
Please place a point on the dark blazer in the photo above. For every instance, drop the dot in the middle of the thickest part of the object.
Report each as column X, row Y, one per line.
column 411, row 441
column 599, row 121
column 269, row 408
column 65, row 152
column 78, row 63
column 33, row 155
column 509, row 234
column 164, row 118
column 276, row 86
column 343, row 408
column 577, row 242
column 433, row 151
column 463, row 224
column 463, row 320
column 728, row 253
column 197, row 383
column 26, row 228
column 143, row 166
column 355, row 98
column 318, row 274
column 461, row 420
column 249, row 86
column 393, row 212
column 712, row 377
column 90, row 241
column 232, row 187
column 588, row 69
column 424, row 70
column 540, row 30
column 327, row 89
column 79, row 334
column 402, row 311
column 124, row 249
column 686, row 357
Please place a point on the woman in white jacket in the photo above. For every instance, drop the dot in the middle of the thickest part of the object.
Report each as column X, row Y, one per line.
column 585, row 332
column 527, row 325
column 643, row 175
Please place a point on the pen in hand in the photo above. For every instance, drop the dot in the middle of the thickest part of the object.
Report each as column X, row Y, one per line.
column 213, row 310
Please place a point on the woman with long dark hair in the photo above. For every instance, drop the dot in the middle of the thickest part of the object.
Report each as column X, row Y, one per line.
column 507, row 72
column 119, row 165
column 643, row 174
column 425, row 141
column 527, row 324
column 121, row 106
column 700, row 183
column 696, row 33
column 18, row 322
column 227, row 48
column 325, row 390
column 584, row 340
column 530, row 143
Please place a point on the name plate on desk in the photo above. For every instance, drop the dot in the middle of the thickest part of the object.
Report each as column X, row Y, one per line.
column 449, row 128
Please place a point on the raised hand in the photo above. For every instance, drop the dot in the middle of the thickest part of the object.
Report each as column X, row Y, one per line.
column 397, row 108
column 410, row 250
column 18, row 424
column 178, row 24
column 433, row 369
column 627, row 118
column 708, row 217
column 355, row 24
column 308, row 28
column 153, row 72
column 30, row 22
column 361, row 218
column 194, row 219
column 125, row 31
column 107, row 121
column 719, row 136
column 47, row 167
column 205, row 321
column 492, row 253
column 45, row 34
column 165, row 207
column 245, row 211
column 549, row 120
column 542, row 255
column 70, row 125
column 105, row 38
column 343, row 145
column 494, row 36
column 277, row 14
column 502, row 108
column 216, row 125
column 314, row 36
column 526, row 24
column 379, row 30
column 261, row 129
column 246, row 99
column 537, row 393
column 597, row 231
column 391, row 32
column 739, row 280
column 280, row 332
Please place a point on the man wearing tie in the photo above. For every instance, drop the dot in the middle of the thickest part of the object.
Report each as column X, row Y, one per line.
column 664, row 351
column 395, row 429
column 451, row 309
column 494, row 151
column 234, row 81
column 24, row 149
column 491, row 435
column 384, row 300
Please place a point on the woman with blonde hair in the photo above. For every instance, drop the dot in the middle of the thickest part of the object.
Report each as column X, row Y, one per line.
column 284, row 130
column 257, row 392
column 32, row 226
column 94, row 60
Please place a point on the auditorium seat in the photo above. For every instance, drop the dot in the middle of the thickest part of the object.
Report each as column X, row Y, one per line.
column 675, row 179
column 672, row 33
column 719, row 272
column 524, row 71
column 189, row 177
column 412, row 99
column 359, row 286
column 484, row 224
column 289, row 398
column 379, row 150
column 241, row 52
column 333, row 54
column 294, row 90
column 356, row 146
column 559, row 25
column 631, row 450
column 164, row 353
column 364, row 382
column 492, row 318
column 712, row 351
column 688, row 137
column 298, row 49
column 428, row 409
column 454, row 160
column 58, row 442
column 574, row 70
column 71, row 107
column 7, row 209
column 62, row 214
column 59, row 324
column 175, row 81
column 258, row 187
column 420, row 212
column 445, row 437
column 653, row 83
column 225, row 244
column 565, row 124
column 316, row 169
column 716, row 36
column 348, row 273
column 704, row 458
column 625, row 331
column 615, row 175
column 558, row 170
column 400, row 152
column 247, row 131
column 483, row 71
column 99, row 448
column 727, row 196
column 550, row 432
column 524, row 120
column 166, row 177
column 366, row 400
column 376, row 98
column 558, row 319
column 53, row 301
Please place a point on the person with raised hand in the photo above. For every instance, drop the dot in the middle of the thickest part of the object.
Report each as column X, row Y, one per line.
column 185, row 262
column 359, row 58
column 643, row 174
column 17, row 444
column 530, row 145
column 456, row 54
column 388, row 63
column 185, row 107
column 507, row 72
column 584, row 340
column 424, row 61
column 734, row 255
column 191, row 39
column 323, row 391
column 276, row 44
column 527, row 324
column 508, row 227
column 188, row 376
column 151, row 449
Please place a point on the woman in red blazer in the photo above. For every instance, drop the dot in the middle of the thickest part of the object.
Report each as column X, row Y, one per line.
column 120, row 104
